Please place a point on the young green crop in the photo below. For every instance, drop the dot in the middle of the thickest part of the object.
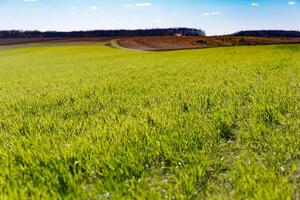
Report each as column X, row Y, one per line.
column 91, row 122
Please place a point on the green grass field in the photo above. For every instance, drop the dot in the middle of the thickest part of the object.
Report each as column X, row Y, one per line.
column 92, row 122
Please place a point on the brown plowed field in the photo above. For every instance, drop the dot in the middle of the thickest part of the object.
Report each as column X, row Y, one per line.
column 157, row 43
column 192, row 42
column 18, row 41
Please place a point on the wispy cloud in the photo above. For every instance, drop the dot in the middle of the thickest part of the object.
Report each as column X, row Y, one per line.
column 30, row 0
column 292, row 2
column 138, row 5
column 211, row 13
column 93, row 8
column 255, row 4
column 143, row 4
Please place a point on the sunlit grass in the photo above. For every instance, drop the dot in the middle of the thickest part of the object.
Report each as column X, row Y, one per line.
column 91, row 122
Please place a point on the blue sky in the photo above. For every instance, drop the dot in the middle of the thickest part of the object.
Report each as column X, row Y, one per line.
column 213, row 16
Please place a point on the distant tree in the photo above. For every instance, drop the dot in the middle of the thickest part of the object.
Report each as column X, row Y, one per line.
column 269, row 33
column 101, row 33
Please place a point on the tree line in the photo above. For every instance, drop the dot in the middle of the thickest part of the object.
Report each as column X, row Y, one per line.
column 269, row 33
column 101, row 33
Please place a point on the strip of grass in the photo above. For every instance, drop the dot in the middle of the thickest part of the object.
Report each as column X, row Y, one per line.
column 92, row 122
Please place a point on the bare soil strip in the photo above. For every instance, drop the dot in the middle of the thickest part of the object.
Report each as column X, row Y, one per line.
column 193, row 42
column 115, row 43
column 30, row 42
column 154, row 43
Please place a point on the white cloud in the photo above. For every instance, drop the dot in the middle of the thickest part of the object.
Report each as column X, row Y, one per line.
column 93, row 8
column 255, row 4
column 138, row 5
column 158, row 21
column 215, row 13
column 30, row 0
column 292, row 2
column 143, row 4
column 211, row 13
